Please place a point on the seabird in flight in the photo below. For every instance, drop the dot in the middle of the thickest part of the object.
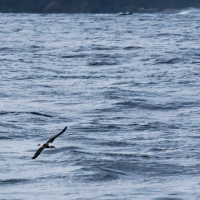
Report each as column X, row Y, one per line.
column 48, row 144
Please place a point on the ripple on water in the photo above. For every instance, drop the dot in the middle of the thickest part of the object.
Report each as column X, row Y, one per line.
column 126, row 87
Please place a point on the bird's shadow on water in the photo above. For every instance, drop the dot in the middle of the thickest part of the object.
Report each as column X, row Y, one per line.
column 49, row 151
column 62, row 149
column 56, row 150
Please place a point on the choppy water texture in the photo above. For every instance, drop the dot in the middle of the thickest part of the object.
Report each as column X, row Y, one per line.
column 127, row 87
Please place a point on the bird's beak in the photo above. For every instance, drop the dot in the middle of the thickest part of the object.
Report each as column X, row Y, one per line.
column 38, row 144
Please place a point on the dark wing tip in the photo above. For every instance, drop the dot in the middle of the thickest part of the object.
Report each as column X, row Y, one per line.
column 62, row 130
column 34, row 157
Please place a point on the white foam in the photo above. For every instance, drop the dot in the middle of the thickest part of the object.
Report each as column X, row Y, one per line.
column 189, row 11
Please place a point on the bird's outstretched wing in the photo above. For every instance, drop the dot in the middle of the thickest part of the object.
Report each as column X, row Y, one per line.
column 55, row 136
column 37, row 153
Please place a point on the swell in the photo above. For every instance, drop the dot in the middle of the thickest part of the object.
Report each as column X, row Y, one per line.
column 19, row 113
column 12, row 182
column 156, row 106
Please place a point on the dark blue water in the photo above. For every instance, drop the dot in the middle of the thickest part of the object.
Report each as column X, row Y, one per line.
column 127, row 87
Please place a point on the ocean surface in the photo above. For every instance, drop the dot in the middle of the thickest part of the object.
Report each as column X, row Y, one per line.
column 127, row 88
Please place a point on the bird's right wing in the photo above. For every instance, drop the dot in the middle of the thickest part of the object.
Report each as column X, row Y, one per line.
column 55, row 136
column 37, row 153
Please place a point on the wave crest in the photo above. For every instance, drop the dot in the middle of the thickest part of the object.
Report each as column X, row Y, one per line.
column 189, row 11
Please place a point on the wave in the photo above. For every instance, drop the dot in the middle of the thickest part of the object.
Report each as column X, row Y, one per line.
column 18, row 113
column 189, row 11
column 13, row 181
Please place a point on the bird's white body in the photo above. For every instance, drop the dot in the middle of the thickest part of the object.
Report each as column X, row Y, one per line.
column 49, row 144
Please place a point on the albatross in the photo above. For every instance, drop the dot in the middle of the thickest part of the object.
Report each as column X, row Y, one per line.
column 48, row 144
